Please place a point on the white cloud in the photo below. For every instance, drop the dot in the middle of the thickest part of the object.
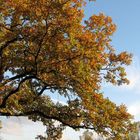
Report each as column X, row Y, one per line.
column 21, row 128
column 134, row 109
column 71, row 134
column 11, row 128
column 133, row 74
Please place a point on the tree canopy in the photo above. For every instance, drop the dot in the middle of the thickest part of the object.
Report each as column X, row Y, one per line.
column 46, row 49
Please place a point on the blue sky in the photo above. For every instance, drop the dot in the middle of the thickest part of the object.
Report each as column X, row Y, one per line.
column 126, row 15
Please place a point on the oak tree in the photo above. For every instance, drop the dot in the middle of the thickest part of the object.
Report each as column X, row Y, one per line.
column 46, row 49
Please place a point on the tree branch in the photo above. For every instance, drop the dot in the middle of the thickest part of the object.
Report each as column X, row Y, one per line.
column 57, row 118
column 8, row 43
column 3, row 104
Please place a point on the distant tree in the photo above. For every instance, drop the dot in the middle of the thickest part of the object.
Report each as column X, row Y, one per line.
column 45, row 48
column 88, row 135
column 41, row 137
column 135, row 135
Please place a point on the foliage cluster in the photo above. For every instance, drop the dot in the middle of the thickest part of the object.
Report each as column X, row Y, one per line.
column 44, row 47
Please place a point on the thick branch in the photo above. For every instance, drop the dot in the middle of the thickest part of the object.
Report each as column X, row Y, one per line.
column 3, row 105
column 57, row 118
column 8, row 43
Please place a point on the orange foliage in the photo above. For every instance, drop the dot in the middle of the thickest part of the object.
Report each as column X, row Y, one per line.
column 44, row 46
